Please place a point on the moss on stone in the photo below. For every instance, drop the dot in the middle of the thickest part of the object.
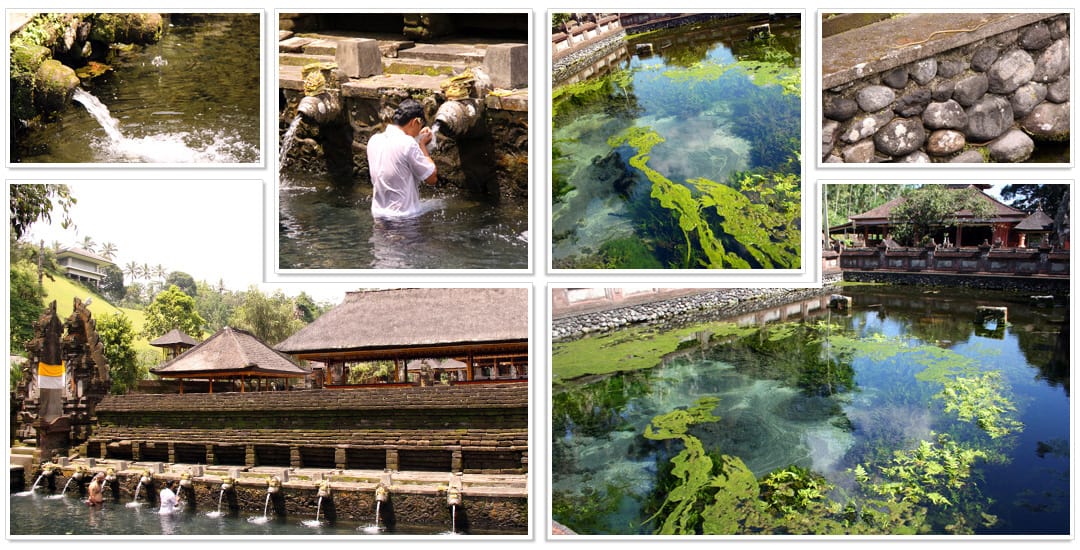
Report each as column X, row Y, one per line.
column 137, row 28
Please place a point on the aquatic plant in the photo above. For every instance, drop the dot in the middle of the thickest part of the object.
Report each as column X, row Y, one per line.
column 981, row 399
column 752, row 226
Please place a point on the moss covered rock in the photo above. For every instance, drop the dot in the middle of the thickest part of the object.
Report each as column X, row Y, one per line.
column 26, row 58
column 54, row 83
column 130, row 28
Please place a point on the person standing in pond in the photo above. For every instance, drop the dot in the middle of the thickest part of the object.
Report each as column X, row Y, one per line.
column 398, row 160
column 168, row 500
column 94, row 491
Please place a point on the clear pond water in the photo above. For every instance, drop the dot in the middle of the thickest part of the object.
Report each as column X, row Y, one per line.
column 829, row 394
column 685, row 155
column 39, row 514
column 193, row 97
column 323, row 225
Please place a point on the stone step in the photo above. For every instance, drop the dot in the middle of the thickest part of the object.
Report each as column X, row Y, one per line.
column 422, row 67
column 301, row 59
column 469, row 54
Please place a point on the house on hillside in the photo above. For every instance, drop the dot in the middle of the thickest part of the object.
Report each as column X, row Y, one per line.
column 424, row 335
column 82, row 265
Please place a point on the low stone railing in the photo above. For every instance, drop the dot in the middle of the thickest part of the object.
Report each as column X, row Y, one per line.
column 1045, row 262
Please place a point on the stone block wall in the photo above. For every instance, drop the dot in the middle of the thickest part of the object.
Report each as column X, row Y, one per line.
column 471, row 428
column 984, row 259
column 993, row 100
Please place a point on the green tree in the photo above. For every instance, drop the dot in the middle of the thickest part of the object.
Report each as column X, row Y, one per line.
column 172, row 309
column 184, row 281
column 118, row 337
column 88, row 244
column 33, row 202
column 931, row 207
column 27, row 302
column 270, row 318
column 308, row 309
column 112, row 285
column 216, row 304
column 107, row 251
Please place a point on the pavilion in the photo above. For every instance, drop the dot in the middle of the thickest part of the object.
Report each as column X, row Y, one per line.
column 477, row 334
column 173, row 343
column 875, row 225
column 232, row 355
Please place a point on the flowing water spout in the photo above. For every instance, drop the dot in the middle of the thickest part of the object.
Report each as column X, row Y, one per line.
column 453, row 498
column 100, row 112
column 287, row 141
column 226, row 485
column 143, row 480
column 382, row 494
column 458, row 116
column 324, row 492
column 32, row 487
column 273, row 485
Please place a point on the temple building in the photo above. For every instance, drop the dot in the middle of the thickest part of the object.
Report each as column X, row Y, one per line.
column 418, row 336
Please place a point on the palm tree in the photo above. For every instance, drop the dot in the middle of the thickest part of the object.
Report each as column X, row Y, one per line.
column 108, row 251
column 88, row 244
column 56, row 246
column 132, row 270
column 160, row 272
column 146, row 271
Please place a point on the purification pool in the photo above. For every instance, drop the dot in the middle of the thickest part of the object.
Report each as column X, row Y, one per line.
column 39, row 514
column 684, row 154
column 324, row 225
column 902, row 417
column 193, row 97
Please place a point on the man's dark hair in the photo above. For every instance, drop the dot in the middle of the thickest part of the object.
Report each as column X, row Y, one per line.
column 408, row 110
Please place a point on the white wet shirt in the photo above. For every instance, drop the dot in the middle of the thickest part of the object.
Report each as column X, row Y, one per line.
column 168, row 501
column 397, row 166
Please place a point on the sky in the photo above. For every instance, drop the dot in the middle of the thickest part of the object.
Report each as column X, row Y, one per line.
column 210, row 229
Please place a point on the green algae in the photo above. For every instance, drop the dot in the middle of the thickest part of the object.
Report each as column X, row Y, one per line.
column 630, row 349
column 770, row 235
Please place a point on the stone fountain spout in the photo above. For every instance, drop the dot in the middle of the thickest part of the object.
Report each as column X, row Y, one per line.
column 459, row 116
column 321, row 104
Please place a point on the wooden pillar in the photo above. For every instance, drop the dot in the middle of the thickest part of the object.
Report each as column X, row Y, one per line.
column 469, row 371
column 241, row 383
column 181, row 386
column 211, row 385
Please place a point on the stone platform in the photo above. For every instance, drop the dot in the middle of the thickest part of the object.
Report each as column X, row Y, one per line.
column 406, row 65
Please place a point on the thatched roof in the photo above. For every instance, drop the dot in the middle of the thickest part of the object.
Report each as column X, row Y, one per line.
column 1038, row 221
column 230, row 352
column 417, row 317
column 881, row 215
column 173, row 338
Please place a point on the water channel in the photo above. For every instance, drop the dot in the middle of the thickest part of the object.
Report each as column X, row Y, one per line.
column 324, row 225
column 682, row 151
column 193, row 97
column 39, row 514
column 833, row 393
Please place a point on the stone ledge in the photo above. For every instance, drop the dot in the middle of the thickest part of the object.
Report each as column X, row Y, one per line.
column 872, row 49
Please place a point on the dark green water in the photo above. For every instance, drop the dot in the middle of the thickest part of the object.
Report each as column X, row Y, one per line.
column 687, row 156
column 193, row 97
column 323, row 225
column 829, row 394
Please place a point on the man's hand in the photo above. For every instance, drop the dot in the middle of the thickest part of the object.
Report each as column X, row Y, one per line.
column 424, row 137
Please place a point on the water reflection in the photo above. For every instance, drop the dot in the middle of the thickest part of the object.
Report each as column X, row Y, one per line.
column 323, row 225
column 829, row 392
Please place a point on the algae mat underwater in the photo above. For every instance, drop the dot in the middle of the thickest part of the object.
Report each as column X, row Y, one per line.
column 686, row 156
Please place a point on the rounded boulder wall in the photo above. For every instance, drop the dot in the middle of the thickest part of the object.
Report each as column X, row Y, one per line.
column 900, row 137
column 988, row 118
column 137, row 28
column 54, row 83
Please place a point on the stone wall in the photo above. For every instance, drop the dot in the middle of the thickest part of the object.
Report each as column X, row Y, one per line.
column 493, row 161
column 992, row 100
column 471, row 428
column 986, row 282
column 713, row 303
column 980, row 260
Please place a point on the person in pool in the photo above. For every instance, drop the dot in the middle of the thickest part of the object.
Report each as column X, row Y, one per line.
column 398, row 160
column 169, row 503
column 94, row 491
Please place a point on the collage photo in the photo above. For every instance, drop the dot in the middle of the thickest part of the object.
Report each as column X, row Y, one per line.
column 535, row 275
